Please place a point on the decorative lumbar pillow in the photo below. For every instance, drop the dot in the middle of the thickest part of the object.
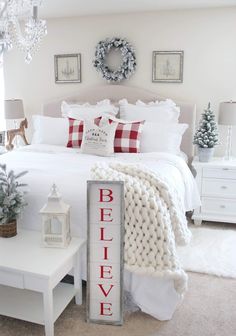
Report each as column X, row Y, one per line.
column 50, row 131
column 162, row 137
column 98, row 139
column 161, row 112
column 87, row 111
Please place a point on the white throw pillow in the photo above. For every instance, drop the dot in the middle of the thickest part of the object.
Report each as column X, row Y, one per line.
column 98, row 140
column 50, row 131
column 161, row 112
column 87, row 111
column 162, row 137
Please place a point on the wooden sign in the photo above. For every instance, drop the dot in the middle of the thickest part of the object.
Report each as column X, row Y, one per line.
column 105, row 252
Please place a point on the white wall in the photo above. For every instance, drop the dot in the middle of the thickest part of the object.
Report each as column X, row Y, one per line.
column 206, row 36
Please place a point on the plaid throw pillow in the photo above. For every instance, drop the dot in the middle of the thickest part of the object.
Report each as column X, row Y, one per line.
column 127, row 137
column 76, row 128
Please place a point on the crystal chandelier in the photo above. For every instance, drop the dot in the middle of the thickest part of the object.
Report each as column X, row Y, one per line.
column 18, row 14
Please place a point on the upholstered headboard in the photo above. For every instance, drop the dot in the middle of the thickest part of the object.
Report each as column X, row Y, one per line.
column 115, row 93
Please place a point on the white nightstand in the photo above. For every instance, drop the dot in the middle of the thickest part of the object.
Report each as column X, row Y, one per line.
column 30, row 275
column 216, row 182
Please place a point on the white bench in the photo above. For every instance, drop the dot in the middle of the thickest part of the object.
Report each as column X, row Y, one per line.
column 30, row 275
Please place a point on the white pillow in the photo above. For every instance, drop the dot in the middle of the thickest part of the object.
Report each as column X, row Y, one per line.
column 98, row 140
column 162, row 137
column 87, row 111
column 50, row 131
column 160, row 112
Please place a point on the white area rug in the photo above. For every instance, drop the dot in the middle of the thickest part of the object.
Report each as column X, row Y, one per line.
column 211, row 251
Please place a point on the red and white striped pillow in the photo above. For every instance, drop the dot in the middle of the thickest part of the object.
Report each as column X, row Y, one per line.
column 127, row 135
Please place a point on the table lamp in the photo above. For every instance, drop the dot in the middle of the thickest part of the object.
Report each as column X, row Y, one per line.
column 14, row 110
column 227, row 116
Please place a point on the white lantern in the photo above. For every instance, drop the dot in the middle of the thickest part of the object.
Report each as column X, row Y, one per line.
column 55, row 221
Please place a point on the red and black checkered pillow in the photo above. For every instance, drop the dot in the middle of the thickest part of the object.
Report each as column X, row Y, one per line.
column 127, row 136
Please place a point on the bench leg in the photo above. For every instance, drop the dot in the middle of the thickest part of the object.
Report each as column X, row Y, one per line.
column 78, row 280
column 48, row 312
column 197, row 222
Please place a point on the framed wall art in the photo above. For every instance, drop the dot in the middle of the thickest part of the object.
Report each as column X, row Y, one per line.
column 105, row 252
column 167, row 66
column 67, row 68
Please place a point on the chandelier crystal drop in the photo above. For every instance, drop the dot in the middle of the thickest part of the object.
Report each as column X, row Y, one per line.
column 20, row 26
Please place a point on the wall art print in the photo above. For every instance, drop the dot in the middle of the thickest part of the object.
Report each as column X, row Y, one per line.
column 67, row 68
column 167, row 66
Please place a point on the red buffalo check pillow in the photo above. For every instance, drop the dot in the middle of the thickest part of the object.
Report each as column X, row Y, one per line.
column 76, row 128
column 127, row 135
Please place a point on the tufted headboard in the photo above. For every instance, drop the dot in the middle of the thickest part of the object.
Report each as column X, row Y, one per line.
column 115, row 93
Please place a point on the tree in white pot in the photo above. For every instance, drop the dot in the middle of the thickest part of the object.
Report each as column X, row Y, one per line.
column 11, row 201
column 206, row 136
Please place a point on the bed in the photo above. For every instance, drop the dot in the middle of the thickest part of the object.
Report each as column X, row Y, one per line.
column 47, row 164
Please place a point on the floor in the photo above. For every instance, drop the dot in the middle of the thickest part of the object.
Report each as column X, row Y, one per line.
column 208, row 309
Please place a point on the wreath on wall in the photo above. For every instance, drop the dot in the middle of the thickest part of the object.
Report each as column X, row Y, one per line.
column 127, row 66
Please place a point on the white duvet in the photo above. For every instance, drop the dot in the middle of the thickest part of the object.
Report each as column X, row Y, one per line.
column 70, row 170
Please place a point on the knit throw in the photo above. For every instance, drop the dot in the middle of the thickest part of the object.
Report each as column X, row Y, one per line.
column 155, row 221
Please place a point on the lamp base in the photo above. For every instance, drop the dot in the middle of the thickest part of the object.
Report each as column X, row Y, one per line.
column 229, row 144
column 11, row 134
column 228, row 158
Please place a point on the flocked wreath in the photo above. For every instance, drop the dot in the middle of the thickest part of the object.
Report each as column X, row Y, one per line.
column 128, row 65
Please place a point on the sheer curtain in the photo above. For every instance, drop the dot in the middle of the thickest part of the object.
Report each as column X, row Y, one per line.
column 2, row 120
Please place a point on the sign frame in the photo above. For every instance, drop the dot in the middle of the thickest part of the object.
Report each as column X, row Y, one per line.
column 106, row 183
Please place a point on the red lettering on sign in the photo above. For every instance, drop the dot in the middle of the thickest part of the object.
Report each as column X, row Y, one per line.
column 102, row 236
column 103, row 271
column 105, row 212
column 105, row 293
column 103, row 308
column 105, row 249
column 105, row 195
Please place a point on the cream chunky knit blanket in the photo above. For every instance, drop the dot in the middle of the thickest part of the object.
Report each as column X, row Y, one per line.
column 154, row 221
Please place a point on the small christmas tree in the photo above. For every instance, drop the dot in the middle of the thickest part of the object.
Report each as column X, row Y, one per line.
column 206, row 135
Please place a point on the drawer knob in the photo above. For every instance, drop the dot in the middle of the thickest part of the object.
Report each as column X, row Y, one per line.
column 222, row 206
column 223, row 187
column 225, row 168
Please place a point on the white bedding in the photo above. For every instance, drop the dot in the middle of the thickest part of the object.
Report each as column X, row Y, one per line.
column 70, row 170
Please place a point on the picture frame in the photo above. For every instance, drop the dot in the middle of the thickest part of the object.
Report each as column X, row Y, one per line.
column 105, row 252
column 67, row 68
column 2, row 138
column 167, row 66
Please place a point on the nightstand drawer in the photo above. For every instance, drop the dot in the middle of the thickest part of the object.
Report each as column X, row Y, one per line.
column 218, row 206
column 222, row 172
column 218, row 187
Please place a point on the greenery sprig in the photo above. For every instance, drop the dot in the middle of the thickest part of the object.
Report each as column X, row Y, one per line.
column 11, row 198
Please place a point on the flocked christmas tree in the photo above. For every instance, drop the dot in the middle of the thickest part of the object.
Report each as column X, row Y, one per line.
column 206, row 135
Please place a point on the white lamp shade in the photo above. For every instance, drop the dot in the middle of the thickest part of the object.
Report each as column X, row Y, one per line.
column 227, row 113
column 14, row 109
